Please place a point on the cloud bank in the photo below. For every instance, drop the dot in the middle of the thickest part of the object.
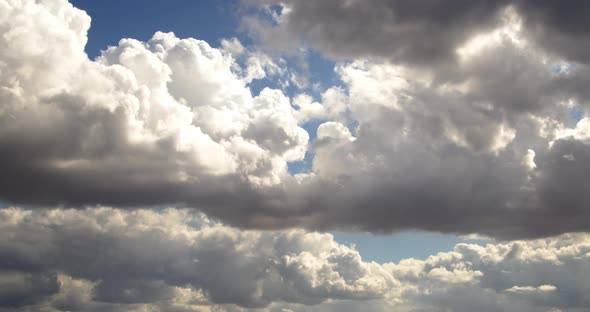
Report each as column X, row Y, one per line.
column 106, row 259
column 489, row 136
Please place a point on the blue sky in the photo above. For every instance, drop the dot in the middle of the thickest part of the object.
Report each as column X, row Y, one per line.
column 112, row 20
column 213, row 21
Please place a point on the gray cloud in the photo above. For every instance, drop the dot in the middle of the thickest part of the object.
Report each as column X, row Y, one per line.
column 415, row 163
column 19, row 289
column 559, row 27
column 415, row 32
column 106, row 259
column 145, row 257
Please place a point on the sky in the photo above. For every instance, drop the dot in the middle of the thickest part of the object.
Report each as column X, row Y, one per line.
column 113, row 20
column 214, row 21
column 262, row 155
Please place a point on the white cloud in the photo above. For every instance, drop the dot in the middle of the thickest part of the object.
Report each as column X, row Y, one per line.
column 333, row 106
column 531, row 289
column 139, row 100
column 233, row 46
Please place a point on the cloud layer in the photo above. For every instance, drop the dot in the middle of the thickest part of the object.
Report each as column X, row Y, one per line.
column 105, row 259
column 489, row 136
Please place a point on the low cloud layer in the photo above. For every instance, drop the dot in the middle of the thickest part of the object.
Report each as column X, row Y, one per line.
column 105, row 259
column 145, row 257
column 492, row 139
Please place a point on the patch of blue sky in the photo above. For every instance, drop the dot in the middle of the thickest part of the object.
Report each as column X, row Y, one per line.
column 206, row 20
column 403, row 245
column 321, row 73
column 113, row 20
column 562, row 68
column 302, row 166
column 313, row 74
column 575, row 112
column 273, row 13
column 316, row 70
column 257, row 85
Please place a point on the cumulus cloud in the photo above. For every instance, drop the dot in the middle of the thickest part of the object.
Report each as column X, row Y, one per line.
column 146, row 257
column 333, row 106
column 420, row 146
column 106, row 259
column 486, row 146
column 466, row 117
column 167, row 114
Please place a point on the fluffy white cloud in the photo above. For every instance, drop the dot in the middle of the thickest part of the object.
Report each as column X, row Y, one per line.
column 161, row 113
column 333, row 106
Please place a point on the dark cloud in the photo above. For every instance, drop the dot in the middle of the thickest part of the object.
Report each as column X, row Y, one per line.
column 132, row 291
column 561, row 27
column 418, row 32
column 19, row 289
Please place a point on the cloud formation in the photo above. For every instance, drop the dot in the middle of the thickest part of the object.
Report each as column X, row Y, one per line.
column 106, row 259
column 167, row 114
column 144, row 257
column 415, row 32
column 465, row 117
column 489, row 136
